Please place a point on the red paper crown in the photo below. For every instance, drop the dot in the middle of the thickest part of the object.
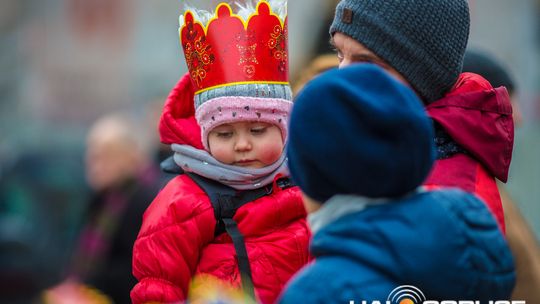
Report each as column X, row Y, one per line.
column 231, row 51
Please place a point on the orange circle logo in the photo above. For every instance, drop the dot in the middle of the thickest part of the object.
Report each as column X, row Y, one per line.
column 406, row 294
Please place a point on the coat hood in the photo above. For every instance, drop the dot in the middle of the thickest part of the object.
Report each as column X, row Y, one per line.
column 177, row 124
column 478, row 118
column 446, row 243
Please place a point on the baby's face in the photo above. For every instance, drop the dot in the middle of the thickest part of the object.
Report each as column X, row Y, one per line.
column 246, row 144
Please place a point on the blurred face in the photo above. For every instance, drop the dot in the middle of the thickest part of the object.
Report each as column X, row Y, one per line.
column 246, row 144
column 108, row 163
column 350, row 51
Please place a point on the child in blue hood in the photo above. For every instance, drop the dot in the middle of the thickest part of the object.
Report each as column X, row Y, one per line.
column 360, row 146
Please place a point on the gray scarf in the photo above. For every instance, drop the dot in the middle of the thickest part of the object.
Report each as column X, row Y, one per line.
column 341, row 204
column 198, row 161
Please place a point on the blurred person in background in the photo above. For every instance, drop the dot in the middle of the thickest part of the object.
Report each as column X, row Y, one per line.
column 318, row 65
column 124, row 179
column 523, row 243
column 422, row 44
column 41, row 194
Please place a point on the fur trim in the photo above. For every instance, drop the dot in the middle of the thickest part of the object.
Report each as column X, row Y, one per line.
column 244, row 9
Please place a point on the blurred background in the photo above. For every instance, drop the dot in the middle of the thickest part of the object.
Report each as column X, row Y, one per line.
column 66, row 63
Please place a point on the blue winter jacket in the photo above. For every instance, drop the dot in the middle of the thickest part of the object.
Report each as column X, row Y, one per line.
column 445, row 243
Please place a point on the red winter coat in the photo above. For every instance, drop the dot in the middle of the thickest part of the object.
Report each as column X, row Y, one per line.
column 479, row 119
column 177, row 241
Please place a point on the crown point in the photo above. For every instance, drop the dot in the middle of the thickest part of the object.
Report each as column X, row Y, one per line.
column 223, row 10
column 263, row 8
column 188, row 18
column 228, row 51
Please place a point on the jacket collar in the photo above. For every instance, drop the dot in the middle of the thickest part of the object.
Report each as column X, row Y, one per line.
column 338, row 206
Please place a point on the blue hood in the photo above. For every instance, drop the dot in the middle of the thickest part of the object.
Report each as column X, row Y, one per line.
column 446, row 243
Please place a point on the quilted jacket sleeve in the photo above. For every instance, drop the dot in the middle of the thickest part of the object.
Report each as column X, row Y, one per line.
column 176, row 226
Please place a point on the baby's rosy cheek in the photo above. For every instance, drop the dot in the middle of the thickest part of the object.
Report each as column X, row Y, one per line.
column 270, row 153
column 220, row 153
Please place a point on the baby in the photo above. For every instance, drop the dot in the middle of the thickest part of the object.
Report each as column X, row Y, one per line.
column 227, row 122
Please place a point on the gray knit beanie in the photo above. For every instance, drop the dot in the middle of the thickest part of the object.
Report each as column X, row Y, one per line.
column 424, row 40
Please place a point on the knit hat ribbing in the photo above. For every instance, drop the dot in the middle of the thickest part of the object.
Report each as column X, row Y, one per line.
column 359, row 131
column 423, row 40
column 244, row 107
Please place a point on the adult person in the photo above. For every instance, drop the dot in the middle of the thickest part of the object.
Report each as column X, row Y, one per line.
column 422, row 43
column 123, row 179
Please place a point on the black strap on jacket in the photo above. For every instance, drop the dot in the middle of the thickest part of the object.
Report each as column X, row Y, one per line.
column 226, row 201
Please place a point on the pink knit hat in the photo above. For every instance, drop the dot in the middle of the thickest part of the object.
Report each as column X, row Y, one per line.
column 238, row 64
column 231, row 109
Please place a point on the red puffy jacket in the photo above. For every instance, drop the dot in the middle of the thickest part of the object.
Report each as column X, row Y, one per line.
column 478, row 118
column 177, row 241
